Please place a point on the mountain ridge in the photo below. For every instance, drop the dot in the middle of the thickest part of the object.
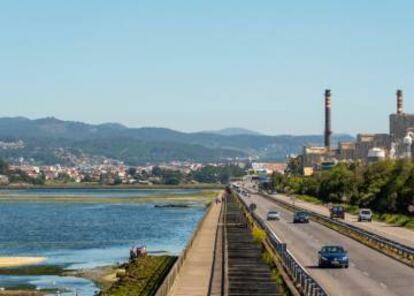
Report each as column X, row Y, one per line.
column 233, row 131
column 144, row 144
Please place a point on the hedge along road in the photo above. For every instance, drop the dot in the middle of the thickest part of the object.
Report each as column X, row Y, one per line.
column 369, row 273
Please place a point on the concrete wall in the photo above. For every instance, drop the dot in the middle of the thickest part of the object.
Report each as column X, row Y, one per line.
column 400, row 124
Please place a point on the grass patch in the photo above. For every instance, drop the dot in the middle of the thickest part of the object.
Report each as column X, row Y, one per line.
column 268, row 259
column 310, row 199
column 33, row 270
column 142, row 276
column 22, row 287
column 397, row 219
column 95, row 185
column 202, row 196
column 352, row 209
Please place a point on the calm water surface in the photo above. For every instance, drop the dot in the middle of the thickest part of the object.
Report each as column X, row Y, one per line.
column 80, row 235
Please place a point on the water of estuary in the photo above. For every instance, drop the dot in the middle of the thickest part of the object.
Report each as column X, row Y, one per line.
column 77, row 235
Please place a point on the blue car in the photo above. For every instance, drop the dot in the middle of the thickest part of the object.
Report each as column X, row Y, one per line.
column 301, row 217
column 333, row 256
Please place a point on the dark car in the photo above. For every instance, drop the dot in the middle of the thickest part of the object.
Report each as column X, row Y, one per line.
column 337, row 212
column 333, row 256
column 301, row 217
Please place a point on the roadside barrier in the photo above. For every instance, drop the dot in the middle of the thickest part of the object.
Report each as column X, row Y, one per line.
column 397, row 251
column 303, row 281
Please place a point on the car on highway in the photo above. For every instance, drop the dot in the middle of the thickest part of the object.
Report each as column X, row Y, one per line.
column 365, row 215
column 333, row 256
column 301, row 217
column 273, row 215
column 337, row 212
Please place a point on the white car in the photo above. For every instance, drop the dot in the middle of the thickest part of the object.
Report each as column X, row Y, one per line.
column 273, row 215
column 365, row 215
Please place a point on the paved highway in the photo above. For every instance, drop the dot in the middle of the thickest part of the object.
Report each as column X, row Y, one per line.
column 401, row 235
column 369, row 273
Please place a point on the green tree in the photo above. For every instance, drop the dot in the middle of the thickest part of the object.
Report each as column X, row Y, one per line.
column 294, row 167
column 4, row 167
column 132, row 171
column 337, row 184
column 372, row 190
column 117, row 180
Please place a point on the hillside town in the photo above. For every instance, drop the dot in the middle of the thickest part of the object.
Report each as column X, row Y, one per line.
column 113, row 172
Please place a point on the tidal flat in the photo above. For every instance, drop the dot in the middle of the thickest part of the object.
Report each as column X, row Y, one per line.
column 79, row 232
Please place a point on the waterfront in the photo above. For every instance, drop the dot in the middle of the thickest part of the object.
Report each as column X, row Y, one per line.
column 76, row 235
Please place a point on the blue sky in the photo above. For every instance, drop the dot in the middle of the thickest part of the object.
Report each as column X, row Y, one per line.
column 202, row 65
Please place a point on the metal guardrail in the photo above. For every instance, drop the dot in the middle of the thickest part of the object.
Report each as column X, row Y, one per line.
column 398, row 251
column 169, row 280
column 303, row 281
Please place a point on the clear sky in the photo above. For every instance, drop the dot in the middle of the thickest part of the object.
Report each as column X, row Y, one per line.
column 202, row 65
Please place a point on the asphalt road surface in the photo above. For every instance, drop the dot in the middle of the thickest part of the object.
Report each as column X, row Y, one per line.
column 402, row 235
column 369, row 273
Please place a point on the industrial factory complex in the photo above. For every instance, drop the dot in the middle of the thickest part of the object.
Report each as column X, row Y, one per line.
column 367, row 147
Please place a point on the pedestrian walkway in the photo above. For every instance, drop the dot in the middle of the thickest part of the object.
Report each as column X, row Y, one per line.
column 194, row 276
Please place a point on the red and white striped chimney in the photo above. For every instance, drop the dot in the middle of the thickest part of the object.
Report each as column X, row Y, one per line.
column 399, row 101
column 328, row 105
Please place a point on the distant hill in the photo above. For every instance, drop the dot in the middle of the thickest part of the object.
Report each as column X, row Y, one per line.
column 45, row 138
column 234, row 131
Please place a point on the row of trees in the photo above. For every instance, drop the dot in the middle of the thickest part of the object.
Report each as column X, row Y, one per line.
column 208, row 174
column 169, row 177
column 385, row 186
column 217, row 174
column 19, row 176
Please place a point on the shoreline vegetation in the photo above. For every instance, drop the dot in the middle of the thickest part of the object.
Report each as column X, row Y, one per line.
column 22, row 293
column 83, row 185
column 141, row 276
column 203, row 196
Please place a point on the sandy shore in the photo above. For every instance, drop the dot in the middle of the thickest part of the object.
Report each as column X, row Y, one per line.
column 20, row 261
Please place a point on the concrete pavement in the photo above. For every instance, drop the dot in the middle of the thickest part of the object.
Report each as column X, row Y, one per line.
column 194, row 276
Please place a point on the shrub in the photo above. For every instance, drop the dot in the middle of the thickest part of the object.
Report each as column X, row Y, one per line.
column 258, row 235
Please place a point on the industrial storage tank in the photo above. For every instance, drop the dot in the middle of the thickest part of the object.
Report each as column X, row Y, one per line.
column 376, row 154
column 408, row 140
column 408, row 143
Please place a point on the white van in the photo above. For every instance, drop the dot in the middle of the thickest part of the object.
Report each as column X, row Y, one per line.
column 365, row 215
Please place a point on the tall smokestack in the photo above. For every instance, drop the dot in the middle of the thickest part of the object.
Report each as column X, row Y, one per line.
column 399, row 101
column 328, row 105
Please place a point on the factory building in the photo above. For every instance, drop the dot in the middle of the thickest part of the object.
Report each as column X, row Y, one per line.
column 366, row 142
column 367, row 147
